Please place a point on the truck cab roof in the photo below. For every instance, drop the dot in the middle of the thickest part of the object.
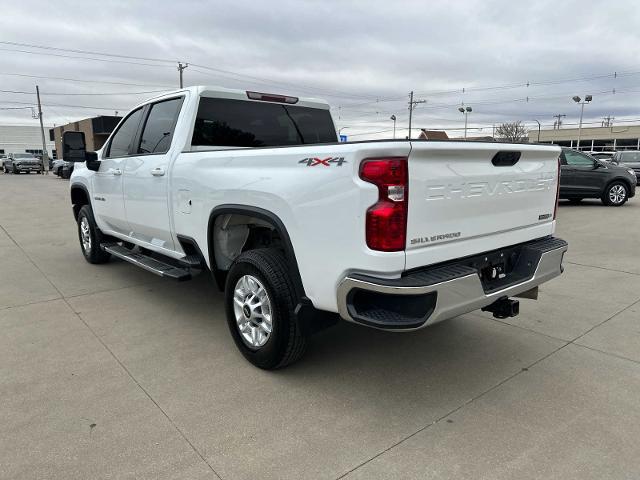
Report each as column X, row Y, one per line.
column 246, row 95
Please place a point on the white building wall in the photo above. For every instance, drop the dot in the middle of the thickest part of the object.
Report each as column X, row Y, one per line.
column 20, row 138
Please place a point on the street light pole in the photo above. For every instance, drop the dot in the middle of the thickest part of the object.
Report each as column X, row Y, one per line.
column 466, row 112
column 340, row 131
column 538, row 129
column 577, row 99
column 393, row 117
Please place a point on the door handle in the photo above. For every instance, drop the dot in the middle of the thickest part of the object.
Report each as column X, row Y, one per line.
column 157, row 172
column 116, row 171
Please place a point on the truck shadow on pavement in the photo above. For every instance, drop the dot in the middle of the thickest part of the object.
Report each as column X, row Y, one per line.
column 465, row 354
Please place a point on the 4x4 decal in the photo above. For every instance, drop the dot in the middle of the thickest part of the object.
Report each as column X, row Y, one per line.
column 326, row 162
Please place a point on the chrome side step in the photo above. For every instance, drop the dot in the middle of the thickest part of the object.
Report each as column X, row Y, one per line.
column 148, row 263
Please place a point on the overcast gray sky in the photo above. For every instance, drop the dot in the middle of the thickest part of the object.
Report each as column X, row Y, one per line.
column 362, row 57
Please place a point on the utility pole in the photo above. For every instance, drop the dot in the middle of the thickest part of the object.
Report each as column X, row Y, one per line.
column 45, row 155
column 412, row 105
column 558, row 122
column 181, row 68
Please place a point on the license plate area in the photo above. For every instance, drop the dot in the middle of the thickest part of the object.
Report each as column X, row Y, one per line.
column 503, row 268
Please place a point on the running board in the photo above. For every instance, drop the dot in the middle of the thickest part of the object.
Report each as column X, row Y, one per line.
column 150, row 264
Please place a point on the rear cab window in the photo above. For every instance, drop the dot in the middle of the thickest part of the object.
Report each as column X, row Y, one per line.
column 222, row 122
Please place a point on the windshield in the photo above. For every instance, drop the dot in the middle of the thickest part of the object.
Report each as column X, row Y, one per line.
column 23, row 155
column 239, row 123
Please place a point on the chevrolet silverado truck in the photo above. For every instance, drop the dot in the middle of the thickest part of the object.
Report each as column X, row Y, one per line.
column 299, row 230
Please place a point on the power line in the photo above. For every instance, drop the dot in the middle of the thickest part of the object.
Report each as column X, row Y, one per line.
column 82, row 58
column 327, row 92
column 64, row 105
column 299, row 86
column 86, row 52
column 106, row 82
column 82, row 94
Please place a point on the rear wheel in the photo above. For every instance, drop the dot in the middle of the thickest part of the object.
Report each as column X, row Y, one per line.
column 616, row 194
column 260, row 300
column 90, row 237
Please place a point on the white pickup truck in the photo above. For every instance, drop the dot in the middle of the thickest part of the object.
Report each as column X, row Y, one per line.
column 300, row 230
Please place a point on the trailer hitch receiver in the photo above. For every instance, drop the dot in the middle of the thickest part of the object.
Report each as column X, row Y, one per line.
column 503, row 308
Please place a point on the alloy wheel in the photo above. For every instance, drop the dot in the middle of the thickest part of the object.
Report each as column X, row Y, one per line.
column 252, row 309
column 85, row 235
column 617, row 194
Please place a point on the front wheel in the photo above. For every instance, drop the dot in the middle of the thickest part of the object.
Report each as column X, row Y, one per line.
column 260, row 302
column 90, row 237
column 615, row 194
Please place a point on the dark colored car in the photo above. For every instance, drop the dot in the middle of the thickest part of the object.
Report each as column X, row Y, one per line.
column 629, row 158
column 582, row 176
column 22, row 162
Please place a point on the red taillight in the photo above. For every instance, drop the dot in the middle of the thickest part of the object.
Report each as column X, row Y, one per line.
column 386, row 223
column 555, row 209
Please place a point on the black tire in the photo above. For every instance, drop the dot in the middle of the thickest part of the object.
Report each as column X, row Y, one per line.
column 92, row 254
column 575, row 201
column 612, row 200
column 287, row 342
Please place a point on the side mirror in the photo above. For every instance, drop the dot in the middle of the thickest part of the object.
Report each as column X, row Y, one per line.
column 74, row 147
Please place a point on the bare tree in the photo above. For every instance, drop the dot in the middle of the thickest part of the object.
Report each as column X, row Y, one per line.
column 512, row 132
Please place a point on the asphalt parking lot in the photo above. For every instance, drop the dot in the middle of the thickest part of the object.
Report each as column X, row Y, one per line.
column 110, row 372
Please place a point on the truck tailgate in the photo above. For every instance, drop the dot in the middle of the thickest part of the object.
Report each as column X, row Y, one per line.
column 475, row 197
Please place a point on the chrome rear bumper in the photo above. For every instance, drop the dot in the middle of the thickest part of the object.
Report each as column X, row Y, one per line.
column 451, row 290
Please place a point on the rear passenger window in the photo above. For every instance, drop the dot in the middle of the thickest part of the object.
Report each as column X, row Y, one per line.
column 123, row 137
column 158, row 129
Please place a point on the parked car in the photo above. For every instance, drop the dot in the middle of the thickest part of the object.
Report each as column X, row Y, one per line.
column 22, row 162
column 57, row 165
column 302, row 230
column 67, row 170
column 582, row 176
column 604, row 155
column 629, row 158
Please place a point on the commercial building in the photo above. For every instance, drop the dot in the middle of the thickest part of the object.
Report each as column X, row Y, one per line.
column 24, row 139
column 616, row 137
column 96, row 131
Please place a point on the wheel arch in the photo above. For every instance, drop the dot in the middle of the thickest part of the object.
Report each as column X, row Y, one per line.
column 79, row 198
column 261, row 214
column 624, row 180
